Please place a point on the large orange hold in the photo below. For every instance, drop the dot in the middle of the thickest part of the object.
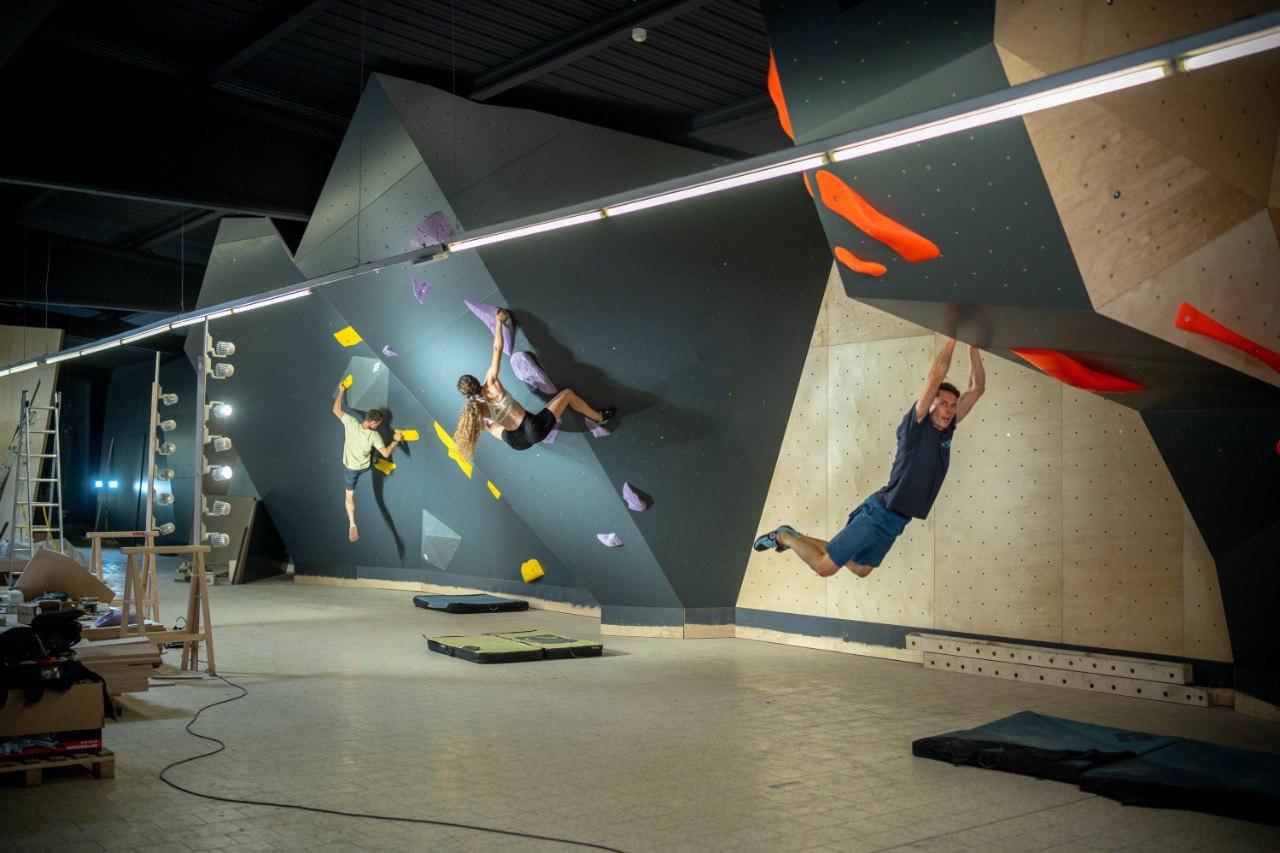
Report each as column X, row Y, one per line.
column 1066, row 369
column 842, row 198
column 1202, row 324
column 857, row 264
column 775, row 92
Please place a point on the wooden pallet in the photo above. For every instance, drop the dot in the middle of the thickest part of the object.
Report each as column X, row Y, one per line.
column 101, row 763
column 1184, row 694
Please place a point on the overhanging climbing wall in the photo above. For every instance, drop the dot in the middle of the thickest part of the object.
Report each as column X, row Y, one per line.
column 693, row 321
column 1069, row 240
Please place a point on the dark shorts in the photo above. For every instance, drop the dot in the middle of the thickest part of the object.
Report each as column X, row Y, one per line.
column 868, row 535
column 532, row 429
column 350, row 476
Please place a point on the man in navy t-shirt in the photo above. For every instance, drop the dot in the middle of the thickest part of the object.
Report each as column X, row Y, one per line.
column 924, row 452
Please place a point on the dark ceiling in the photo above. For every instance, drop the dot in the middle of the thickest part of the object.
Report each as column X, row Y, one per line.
column 138, row 125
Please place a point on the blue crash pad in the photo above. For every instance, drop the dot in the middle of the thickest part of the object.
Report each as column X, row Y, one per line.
column 469, row 603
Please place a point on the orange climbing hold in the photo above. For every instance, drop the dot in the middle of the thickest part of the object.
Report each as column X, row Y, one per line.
column 1202, row 324
column 1066, row 369
column 775, row 92
column 853, row 262
column 807, row 185
column 841, row 198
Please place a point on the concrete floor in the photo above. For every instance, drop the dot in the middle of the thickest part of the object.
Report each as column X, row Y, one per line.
column 658, row 745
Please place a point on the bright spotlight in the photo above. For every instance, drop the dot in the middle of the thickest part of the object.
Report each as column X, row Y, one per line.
column 113, row 484
column 219, row 472
column 220, row 409
column 97, row 484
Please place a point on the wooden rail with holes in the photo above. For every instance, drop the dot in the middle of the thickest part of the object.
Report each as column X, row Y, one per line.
column 1086, row 662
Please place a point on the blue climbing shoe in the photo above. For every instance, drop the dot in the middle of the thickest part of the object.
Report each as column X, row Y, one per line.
column 770, row 540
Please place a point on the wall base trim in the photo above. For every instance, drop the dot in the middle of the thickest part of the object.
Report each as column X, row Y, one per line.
column 440, row 589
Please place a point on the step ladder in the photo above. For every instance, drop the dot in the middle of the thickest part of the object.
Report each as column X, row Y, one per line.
column 38, row 484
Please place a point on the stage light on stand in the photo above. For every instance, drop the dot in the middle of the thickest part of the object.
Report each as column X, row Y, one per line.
column 222, row 370
column 169, row 399
column 218, row 508
column 164, row 474
column 168, row 426
column 219, row 409
column 164, row 529
column 167, row 449
column 221, row 473
column 164, row 499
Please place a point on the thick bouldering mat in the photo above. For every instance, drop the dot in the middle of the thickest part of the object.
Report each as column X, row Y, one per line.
column 1133, row 767
column 469, row 603
column 1037, row 745
column 514, row 646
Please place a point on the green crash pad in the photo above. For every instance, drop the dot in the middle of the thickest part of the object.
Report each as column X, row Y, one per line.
column 510, row 646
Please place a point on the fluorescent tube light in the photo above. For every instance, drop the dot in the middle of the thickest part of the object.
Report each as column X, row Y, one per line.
column 218, row 314
column 284, row 297
column 1019, row 107
column 756, row 176
column 1266, row 40
column 189, row 321
column 147, row 334
column 100, row 347
column 19, row 368
column 536, row 228
column 63, row 356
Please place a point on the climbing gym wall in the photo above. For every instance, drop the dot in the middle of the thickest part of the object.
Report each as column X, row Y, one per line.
column 1058, row 521
column 1124, row 247
column 675, row 317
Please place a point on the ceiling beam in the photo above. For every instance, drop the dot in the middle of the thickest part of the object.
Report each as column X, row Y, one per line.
column 90, row 275
column 174, row 227
column 572, row 46
column 170, row 141
column 270, row 30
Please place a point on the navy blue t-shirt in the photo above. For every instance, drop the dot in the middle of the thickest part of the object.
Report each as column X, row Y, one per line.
column 924, row 452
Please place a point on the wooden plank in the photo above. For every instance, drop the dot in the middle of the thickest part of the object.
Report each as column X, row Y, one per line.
column 1181, row 694
column 1120, row 667
column 100, row 763
column 1204, row 622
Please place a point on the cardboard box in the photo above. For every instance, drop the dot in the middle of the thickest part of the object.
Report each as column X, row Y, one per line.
column 76, row 709
column 31, row 609
column 50, row 571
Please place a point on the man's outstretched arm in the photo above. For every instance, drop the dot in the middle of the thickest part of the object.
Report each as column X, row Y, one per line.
column 977, row 384
column 337, row 402
column 937, row 373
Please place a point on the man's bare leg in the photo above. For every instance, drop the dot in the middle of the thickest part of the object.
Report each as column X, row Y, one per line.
column 814, row 552
column 352, row 533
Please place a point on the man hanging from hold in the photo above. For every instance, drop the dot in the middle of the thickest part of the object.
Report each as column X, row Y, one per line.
column 924, row 452
column 361, row 439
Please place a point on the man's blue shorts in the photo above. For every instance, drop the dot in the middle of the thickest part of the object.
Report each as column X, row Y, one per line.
column 868, row 535
column 350, row 476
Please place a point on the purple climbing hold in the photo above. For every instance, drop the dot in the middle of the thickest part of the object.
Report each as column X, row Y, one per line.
column 596, row 430
column 421, row 290
column 633, row 499
column 389, row 352
column 527, row 370
column 489, row 314
column 551, row 436
column 609, row 539
column 433, row 231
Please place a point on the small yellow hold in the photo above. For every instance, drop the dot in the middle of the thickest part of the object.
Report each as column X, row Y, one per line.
column 463, row 463
column 494, row 489
column 409, row 435
column 531, row 571
column 346, row 383
column 445, row 437
column 348, row 337
column 386, row 466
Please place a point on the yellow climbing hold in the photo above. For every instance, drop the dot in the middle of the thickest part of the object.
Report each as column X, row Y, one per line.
column 494, row 489
column 409, row 435
column 445, row 437
column 348, row 337
column 462, row 463
column 531, row 571
column 386, row 466
column 346, row 383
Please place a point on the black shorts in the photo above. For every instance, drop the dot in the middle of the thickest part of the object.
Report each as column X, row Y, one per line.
column 350, row 476
column 532, row 429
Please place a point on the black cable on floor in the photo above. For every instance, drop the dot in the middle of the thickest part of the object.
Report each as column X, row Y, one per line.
column 238, row 801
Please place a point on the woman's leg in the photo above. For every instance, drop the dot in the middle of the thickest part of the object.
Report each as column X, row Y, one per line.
column 568, row 399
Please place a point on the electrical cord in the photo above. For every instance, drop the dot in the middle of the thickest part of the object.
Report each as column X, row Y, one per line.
column 222, row 746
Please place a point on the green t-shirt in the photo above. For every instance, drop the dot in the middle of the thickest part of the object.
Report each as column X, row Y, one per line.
column 358, row 444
